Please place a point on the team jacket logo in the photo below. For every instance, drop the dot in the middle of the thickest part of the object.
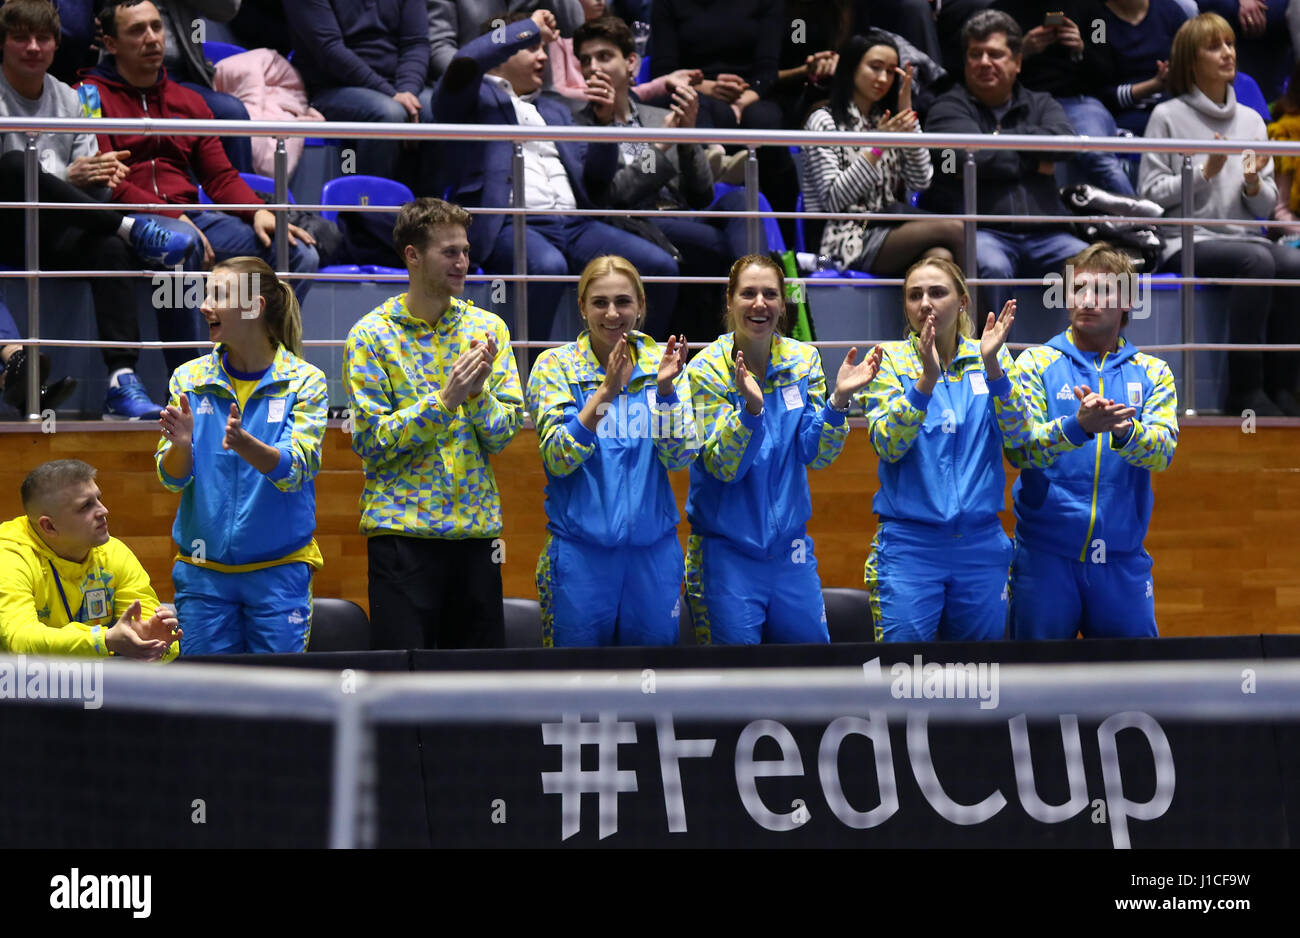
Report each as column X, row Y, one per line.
column 205, row 407
column 1065, row 394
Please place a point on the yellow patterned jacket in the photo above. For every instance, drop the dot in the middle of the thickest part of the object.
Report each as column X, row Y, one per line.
column 426, row 468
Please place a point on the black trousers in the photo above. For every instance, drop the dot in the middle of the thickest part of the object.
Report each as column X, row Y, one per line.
column 434, row 593
column 72, row 239
column 1256, row 315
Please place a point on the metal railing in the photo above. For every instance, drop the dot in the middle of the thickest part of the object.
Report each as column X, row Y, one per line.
column 967, row 144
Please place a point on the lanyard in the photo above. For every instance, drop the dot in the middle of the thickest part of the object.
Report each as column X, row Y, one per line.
column 62, row 595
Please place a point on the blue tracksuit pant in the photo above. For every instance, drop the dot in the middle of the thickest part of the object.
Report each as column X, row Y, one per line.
column 593, row 595
column 930, row 582
column 737, row 599
column 1056, row 597
column 266, row 610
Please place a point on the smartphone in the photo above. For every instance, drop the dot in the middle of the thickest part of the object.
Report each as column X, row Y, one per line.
column 1054, row 19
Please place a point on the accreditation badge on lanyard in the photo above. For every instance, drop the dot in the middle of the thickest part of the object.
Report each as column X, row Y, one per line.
column 93, row 602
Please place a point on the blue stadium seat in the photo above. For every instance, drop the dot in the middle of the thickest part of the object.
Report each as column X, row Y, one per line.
column 775, row 242
column 214, row 52
column 362, row 190
column 256, row 182
column 1248, row 93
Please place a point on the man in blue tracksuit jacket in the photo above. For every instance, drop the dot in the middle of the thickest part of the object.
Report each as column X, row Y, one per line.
column 1083, row 500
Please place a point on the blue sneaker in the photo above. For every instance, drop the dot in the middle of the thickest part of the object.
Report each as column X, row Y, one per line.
column 130, row 401
column 157, row 242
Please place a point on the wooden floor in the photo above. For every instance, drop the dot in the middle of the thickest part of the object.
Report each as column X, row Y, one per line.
column 1225, row 535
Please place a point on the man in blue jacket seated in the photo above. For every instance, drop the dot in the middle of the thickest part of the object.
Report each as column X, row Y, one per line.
column 497, row 79
column 366, row 60
column 1083, row 499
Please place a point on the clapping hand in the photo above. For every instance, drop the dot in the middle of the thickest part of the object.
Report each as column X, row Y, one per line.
column 671, row 365
column 748, row 386
column 855, row 375
column 994, row 337
column 1098, row 414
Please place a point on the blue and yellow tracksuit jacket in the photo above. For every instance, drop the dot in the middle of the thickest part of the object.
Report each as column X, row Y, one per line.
column 610, row 487
column 33, row 619
column 1074, row 489
column 247, row 520
column 426, row 468
column 941, row 453
column 750, row 481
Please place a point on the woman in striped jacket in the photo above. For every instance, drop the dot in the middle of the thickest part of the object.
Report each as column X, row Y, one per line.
column 870, row 92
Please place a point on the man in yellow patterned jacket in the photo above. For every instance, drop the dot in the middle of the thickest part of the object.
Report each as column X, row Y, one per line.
column 66, row 586
column 433, row 391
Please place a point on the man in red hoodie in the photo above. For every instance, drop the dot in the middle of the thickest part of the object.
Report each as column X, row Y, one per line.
column 133, row 83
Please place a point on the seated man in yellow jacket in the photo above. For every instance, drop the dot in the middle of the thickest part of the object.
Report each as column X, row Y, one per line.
column 66, row 586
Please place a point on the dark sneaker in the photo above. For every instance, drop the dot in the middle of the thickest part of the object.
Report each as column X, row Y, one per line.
column 15, row 384
column 158, row 243
column 130, row 401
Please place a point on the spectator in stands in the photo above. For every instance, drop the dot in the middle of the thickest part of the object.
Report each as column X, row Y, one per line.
column 613, row 416
column 661, row 175
column 1227, row 185
column 1059, row 62
column 72, row 169
column 933, row 27
column 764, row 416
column 69, row 588
column 1139, row 34
column 1083, row 498
column 187, row 64
column 567, row 74
column 367, row 60
column 811, row 35
column 737, row 46
column 433, row 392
column 164, row 168
column 456, row 23
column 868, row 94
column 1010, row 182
column 77, row 45
column 1265, row 51
column 938, row 563
column 246, row 587
column 1287, row 127
column 497, row 82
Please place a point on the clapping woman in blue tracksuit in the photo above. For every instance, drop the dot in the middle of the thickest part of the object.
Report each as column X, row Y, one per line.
column 939, row 413
column 612, row 412
column 761, row 407
column 241, row 442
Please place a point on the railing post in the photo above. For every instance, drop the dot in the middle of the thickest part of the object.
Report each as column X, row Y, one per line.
column 31, row 216
column 968, row 226
column 1187, row 292
column 519, row 289
column 282, row 215
column 753, row 224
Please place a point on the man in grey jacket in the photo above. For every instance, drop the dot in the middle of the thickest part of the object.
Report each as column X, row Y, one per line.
column 453, row 23
column 659, row 175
